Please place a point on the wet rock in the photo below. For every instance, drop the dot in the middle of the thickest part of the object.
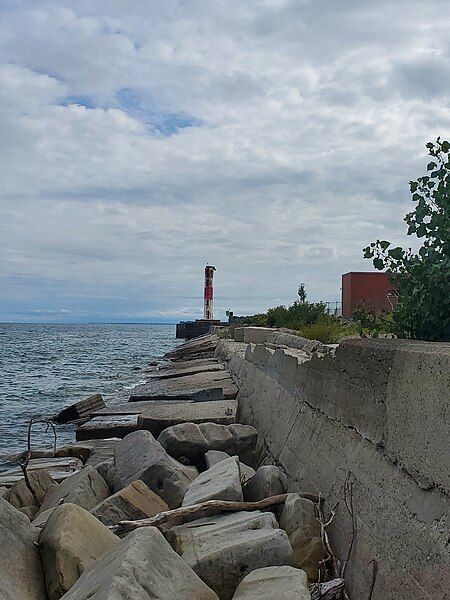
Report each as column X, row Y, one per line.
column 21, row 495
column 81, row 409
column 71, row 540
column 299, row 520
column 282, row 583
column 135, row 501
column 212, row 457
column 268, row 480
column 220, row 482
column 86, row 489
column 22, row 577
column 140, row 456
column 223, row 549
column 141, row 566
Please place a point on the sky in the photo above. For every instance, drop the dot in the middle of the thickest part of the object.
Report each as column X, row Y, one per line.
column 142, row 139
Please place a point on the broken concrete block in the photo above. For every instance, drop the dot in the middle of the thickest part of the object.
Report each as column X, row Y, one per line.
column 223, row 549
column 71, row 540
column 21, row 574
column 107, row 425
column 105, row 469
column 219, row 437
column 212, row 457
column 21, row 495
column 140, row 456
column 139, row 567
column 86, row 489
column 160, row 415
column 282, row 583
column 81, row 409
column 299, row 521
column 135, row 501
column 184, row 439
column 269, row 480
column 58, row 469
column 244, row 437
column 220, row 482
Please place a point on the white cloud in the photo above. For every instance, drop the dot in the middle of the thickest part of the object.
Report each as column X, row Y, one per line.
column 309, row 119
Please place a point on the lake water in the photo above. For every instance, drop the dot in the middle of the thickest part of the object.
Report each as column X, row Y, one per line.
column 44, row 367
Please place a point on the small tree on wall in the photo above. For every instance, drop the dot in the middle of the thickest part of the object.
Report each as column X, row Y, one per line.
column 423, row 278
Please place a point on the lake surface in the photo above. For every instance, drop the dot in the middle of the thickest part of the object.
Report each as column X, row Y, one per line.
column 44, row 367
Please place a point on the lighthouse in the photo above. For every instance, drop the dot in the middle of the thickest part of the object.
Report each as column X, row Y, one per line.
column 208, row 293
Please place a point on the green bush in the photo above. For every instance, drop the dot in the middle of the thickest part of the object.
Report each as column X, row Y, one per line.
column 327, row 332
column 423, row 278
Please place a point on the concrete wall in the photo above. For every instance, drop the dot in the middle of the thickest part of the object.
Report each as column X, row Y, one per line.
column 377, row 409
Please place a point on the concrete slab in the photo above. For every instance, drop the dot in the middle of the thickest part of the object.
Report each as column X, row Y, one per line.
column 57, row 468
column 161, row 415
column 183, row 371
column 108, row 426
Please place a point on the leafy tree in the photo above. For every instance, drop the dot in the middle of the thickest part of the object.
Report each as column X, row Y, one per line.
column 423, row 278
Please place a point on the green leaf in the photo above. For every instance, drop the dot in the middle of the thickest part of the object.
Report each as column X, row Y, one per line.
column 431, row 166
column 445, row 146
column 384, row 244
column 378, row 264
column 421, row 230
column 396, row 253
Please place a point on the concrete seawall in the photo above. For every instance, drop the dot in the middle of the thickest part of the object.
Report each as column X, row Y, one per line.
column 372, row 410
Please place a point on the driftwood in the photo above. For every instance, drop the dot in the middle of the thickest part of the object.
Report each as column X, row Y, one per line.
column 328, row 590
column 178, row 516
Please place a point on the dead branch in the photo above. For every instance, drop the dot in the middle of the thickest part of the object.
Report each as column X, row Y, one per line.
column 324, row 523
column 374, row 576
column 329, row 590
column 184, row 514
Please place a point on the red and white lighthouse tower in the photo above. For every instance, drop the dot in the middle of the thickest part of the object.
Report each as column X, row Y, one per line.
column 208, row 295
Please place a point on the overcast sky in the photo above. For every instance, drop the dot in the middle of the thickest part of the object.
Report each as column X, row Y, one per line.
column 141, row 139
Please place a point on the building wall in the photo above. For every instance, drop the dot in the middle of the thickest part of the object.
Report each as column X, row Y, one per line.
column 376, row 411
column 368, row 289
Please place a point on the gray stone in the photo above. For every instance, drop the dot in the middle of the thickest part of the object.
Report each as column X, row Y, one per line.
column 186, row 370
column 220, row 482
column 135, row 501
column 212, row 457
column 100, row 449
column 160, row 415
column 223, row 549
column 86, row 488
column 282, row 583
column 299, row 520
column 218, row 437
column 140, row 456
column 106, row 470
column 107, row 425
column 22, row 577
column 21, row 495
column 3, row 491
column 41, row 519
column 58, row 469
column 141, row 566
column 81, row 409
column 185, row 439
column 29, row 511
column 269, row 480
column 71, row 540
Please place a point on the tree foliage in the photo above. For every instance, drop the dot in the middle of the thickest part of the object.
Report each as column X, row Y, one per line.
column 423, row 277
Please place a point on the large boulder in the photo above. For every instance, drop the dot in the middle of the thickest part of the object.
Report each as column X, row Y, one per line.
column 192, row 440
column 268, row 480
column 299, row 520
column 134, row 501
column 21, row 574
column 22, row 495
column 86, row 488
column 71, row 540
column 220, row 482
column 223, row 549
column 282, row 583
column 140, row 456
column 141, row 566
column 212, row 457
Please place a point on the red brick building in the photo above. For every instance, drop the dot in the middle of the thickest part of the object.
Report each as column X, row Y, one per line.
column 373, row 290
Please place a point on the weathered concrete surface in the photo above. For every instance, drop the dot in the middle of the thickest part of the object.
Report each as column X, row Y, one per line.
column 140, row 456
column 212, row 457
column 202, row 347
column 189, row 370
column 220, row 482
column 58, row 469
column 140, row 567
column 159, row 416
column 157, row 388
column 274, row 583
column 223, row 549
column 22, row 494
column 86, row 488
column 70, row 542
column 100, row 450
column 81, row 409
column 269, row 480
column 376, row 408
column 134, row 501
column 107, row 425
column 21, row 574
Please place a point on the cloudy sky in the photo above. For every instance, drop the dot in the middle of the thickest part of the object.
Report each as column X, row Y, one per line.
column 141, row 139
